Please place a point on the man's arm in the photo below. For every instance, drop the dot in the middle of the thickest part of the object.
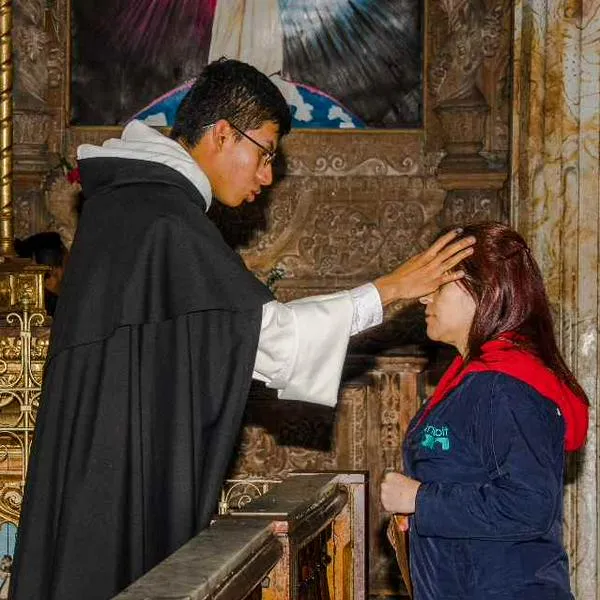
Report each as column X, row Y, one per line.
column 302, row 344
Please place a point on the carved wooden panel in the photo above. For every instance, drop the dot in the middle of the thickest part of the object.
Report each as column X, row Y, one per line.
column 365, row 432
column 347, row 206
column 469, row 42
column 467, row 45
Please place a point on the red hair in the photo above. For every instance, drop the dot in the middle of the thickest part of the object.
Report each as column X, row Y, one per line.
column 506, row 283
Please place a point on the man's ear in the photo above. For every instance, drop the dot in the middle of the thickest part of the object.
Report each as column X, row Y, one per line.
column 221, row 132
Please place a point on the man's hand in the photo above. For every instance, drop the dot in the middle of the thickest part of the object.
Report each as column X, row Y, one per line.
column 399, row 493
column 427, row 271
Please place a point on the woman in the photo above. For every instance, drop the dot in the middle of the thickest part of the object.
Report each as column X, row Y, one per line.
column 46, row 248
column 484, row 458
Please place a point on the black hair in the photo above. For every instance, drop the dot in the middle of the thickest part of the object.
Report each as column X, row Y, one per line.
column 46, row 248
column 231, row 90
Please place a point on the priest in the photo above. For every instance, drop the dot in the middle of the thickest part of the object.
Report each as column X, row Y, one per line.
column 158, row 332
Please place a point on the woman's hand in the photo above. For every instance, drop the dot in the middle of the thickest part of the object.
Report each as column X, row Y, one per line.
column 399, row 493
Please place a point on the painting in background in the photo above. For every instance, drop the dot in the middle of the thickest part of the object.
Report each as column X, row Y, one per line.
column 8, row 533
column 339, row 63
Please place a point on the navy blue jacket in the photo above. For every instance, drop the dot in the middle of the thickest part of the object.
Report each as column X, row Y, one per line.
column 488, row 518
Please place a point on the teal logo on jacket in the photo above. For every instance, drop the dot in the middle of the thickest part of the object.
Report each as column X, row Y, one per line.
column 433, row 436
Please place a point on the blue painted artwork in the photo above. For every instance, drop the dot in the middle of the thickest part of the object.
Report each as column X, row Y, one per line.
column 310, row 109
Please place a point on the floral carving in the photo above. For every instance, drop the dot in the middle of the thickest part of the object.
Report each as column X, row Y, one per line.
column 468, row 206
column 261, row 455
column 355, row 398
column 30, row 45
column 341, row 240
column 473, row 34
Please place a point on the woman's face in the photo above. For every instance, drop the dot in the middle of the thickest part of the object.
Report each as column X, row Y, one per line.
column 449, row 313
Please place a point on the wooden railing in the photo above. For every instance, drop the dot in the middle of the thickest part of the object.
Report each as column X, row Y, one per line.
column 304, row 539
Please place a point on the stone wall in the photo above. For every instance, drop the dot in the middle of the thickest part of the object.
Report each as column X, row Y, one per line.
column 555, row 202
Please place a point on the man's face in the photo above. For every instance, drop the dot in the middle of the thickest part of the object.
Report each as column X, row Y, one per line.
column 243, row 166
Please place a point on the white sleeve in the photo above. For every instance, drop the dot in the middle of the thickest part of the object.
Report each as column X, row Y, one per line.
column 368, row 311
column 302, row 344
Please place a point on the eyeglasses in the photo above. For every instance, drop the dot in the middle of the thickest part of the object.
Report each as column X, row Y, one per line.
column 268, row 154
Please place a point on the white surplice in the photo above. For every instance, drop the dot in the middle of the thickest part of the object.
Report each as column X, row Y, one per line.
column 302, row 344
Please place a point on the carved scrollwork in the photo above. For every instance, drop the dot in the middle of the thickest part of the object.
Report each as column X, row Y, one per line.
column 284, row 215
column 391, row 441
column 341, row 166
column 24, row 212
column 236, row 493
column 10, row 348
column 31, row 128
column 260, row 454
column 11, row 498
column 39, row 348
column 470, row 206
column 473, row 34
column 55, row 68
column 339, row 240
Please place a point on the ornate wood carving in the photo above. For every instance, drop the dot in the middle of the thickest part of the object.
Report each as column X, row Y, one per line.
column 469, row 50
column 364, row 432
column 23, row 348
column 351, row 205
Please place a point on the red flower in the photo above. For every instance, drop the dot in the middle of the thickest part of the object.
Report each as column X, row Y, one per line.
column 73, row 175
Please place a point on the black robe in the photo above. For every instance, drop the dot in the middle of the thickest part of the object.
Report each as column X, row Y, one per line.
column 149, row 366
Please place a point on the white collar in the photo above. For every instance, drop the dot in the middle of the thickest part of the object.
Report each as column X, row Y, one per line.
column 140, row 142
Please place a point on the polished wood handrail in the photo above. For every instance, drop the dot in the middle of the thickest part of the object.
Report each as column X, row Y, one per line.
column 226, row 561
column 266, row 548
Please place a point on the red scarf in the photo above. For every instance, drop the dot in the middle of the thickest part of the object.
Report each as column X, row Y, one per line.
column 504, row 356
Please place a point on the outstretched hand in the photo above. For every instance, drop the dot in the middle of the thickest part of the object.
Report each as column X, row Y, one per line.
column 426, row 271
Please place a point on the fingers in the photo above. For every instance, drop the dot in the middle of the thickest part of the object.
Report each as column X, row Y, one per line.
column 443, row 241
column 390, row 489
column 452, row 276
column 443, row 255
column 454, row 253
column 430, row 254
column 450, row 257
column 391, row 477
